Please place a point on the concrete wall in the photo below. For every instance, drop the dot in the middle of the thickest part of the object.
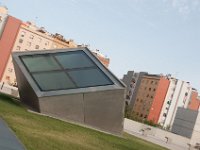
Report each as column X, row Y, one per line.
column 9, row 90
column 196, row 133
column 184, row 122
column 156, row 133
column 103, row 110
column 69, row 107
column 138, row 80
column 26, row 92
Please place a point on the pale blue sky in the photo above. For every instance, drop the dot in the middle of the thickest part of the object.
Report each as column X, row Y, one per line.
column 158, row 36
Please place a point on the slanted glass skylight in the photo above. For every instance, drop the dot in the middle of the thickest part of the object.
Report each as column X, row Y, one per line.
column 64, row 70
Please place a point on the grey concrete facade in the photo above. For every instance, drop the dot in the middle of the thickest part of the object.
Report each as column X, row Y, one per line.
column 184, row 122
column 100, row 107
column 127, row 79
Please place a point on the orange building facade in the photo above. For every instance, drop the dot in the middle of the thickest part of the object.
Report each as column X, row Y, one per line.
column 7, row 41
column 194, row 103
column 159, row 99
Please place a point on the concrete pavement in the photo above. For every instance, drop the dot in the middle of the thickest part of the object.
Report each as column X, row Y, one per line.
column 8, row 140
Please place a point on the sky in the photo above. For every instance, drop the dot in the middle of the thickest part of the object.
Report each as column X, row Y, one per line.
column 156, row 36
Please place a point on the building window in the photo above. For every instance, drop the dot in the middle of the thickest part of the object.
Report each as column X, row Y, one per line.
column 168, row 102
column 23, row 34
column 7, row 77
column 36, row 46
column 151, row 82
column 154, row 89
column 20, row 41
column 29, row 44
column 31, row 37
column 149, row 89
column 151, row 96
column 10, row 70
column 39, row 40
column 54, row 46
column 18, row 48
column 46, row 43
column 164, row 115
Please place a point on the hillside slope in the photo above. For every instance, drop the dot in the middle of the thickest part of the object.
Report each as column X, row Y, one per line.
column 44, row 133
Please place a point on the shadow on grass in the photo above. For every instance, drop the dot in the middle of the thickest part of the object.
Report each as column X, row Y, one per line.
column 10, row 100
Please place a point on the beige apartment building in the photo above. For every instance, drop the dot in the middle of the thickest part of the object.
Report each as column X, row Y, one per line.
column 16, row 35
column 30, row 37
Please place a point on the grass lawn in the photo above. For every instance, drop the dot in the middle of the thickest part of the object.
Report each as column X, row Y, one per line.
column 44, row 133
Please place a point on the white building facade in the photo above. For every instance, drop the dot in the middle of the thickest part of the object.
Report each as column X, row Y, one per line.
column 178, row 95
column 3, row 17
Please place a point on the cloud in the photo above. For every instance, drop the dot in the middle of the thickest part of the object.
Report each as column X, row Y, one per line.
column 185, row 7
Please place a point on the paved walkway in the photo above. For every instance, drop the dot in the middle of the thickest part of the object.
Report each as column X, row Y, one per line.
column 152, row 139
column 8, row 140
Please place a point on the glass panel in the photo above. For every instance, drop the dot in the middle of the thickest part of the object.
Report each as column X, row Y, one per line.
column 53, row 81
column 89, row 77
column 76, row 59
column 40, row 63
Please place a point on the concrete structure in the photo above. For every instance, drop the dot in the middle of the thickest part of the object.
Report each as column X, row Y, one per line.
column 156, row 107
column 195, row 138
column 155, row 135
column 145, row 96
column 9, row 90
column 132, row 80
column 178, row 95
column 71, row 84
column 8, row 140
column 194, row 102
column 184, row 122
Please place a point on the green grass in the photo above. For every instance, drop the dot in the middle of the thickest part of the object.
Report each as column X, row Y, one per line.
column 44, row 133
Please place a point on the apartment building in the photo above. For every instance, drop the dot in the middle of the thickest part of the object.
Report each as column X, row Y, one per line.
column 104, row 60
column 132, row 80
column 25, row 36
column 178, row 95
column 3, row 17
column 145, row 96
